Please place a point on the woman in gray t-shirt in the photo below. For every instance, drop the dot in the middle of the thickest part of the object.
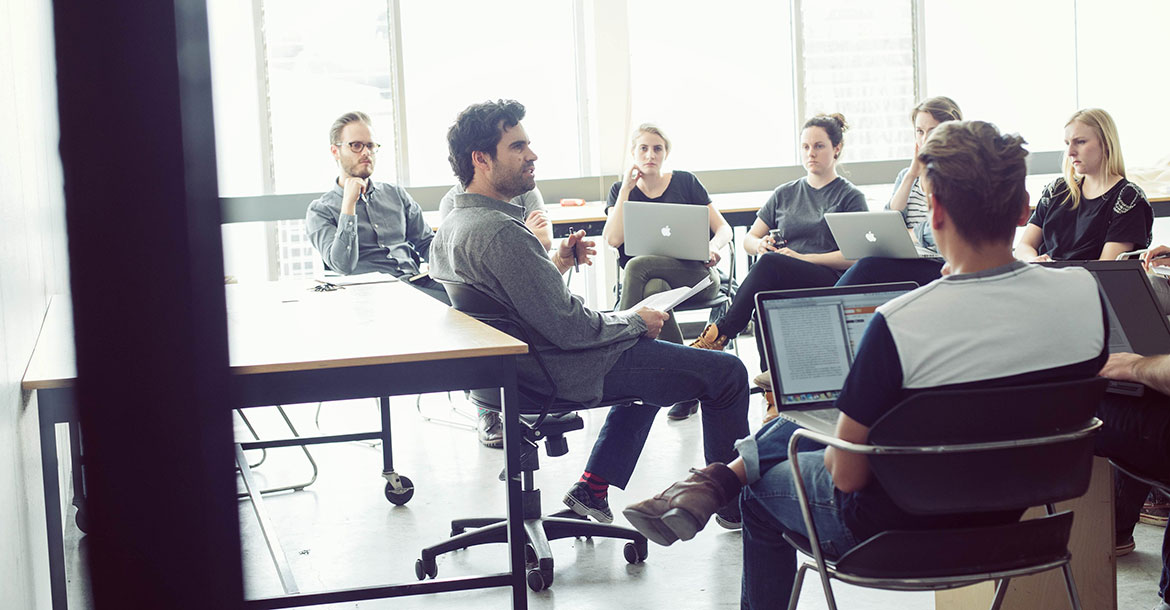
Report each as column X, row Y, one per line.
column 790, row 236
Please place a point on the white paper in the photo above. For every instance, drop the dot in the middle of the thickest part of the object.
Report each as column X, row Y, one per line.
column 373, row 277
column 666, row 301
column 1161, row 270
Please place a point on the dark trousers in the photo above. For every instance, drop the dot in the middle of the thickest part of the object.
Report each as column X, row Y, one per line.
column 773, row 271
column 1137, row 433
column 880, row 270
column 662, row 374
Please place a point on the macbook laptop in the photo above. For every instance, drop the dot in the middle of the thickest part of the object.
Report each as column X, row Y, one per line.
column 676, row 230
column 810, row 338
column 883, row 233
column 1136, row 322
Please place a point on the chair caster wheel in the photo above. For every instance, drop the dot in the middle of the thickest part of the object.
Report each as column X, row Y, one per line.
column 82, row 520
column 538, row 581
column 636, row 552
column 424, row 569
column 398, row 497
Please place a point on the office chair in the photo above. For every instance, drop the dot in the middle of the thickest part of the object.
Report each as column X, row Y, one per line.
column 543, row 417
column 966, row 451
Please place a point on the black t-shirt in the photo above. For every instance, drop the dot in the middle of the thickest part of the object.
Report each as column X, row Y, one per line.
column 684, row 187
column 1121, row 214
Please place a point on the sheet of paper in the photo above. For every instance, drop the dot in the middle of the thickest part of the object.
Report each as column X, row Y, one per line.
column 373, row 277
column 666, row 301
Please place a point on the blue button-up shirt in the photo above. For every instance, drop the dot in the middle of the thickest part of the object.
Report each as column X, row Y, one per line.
column 386, row 233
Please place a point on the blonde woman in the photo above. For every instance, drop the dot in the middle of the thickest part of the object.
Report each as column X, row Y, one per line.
column 646, row 179
column 1092, row 212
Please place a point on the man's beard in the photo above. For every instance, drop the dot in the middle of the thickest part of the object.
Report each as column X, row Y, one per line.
column 515, row 185
column 358, row 170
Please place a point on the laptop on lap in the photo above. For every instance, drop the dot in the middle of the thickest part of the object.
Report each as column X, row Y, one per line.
column 677, row 230
column 883, row 233
column 810, row 338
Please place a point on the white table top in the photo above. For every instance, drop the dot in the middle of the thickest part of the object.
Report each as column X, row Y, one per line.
column 285, row 326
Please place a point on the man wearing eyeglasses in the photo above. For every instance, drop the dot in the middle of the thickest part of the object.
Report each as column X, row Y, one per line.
column 361, row 225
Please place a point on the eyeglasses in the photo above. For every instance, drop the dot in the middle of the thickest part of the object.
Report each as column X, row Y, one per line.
column 358, row 147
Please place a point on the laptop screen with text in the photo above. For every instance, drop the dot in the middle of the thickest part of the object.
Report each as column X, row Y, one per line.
column 811, row 337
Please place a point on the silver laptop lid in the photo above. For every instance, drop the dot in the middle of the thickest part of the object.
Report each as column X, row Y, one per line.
column 811, row 335
column 676, row 230
column 862, row 234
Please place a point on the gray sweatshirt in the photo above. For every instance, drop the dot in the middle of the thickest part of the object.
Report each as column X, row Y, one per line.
column 484, row 242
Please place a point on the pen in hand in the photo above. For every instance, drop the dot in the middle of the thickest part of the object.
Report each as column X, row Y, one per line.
column 576, row 261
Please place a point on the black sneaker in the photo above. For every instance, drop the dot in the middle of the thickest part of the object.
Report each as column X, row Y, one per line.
column 729, row 516
column 491, row 429
column 683, row 410
column 584, row 502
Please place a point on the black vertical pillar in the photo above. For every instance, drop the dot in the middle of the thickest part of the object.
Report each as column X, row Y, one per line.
column 146, row 267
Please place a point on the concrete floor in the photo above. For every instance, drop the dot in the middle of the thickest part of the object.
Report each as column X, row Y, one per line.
column 341, row 531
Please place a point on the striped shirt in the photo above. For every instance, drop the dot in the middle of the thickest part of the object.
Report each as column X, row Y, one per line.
column 915, row 211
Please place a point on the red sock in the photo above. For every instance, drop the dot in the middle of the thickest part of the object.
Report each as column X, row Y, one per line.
column 597, row 485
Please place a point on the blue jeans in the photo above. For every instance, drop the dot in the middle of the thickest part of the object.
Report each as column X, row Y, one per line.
column 662, row 374
column 770, row 507
column 880, row 270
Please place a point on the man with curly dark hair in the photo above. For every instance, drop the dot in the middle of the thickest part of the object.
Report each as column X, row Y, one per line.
column 593, row 356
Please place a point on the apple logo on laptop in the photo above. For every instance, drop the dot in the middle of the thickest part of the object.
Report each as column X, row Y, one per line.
column 666, row 231
column 870, row 237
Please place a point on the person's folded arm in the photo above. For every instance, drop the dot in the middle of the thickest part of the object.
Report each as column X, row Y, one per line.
column 1151, row 371
column 850, row 470
column 1028, row 248
column 832, row 260
column 335, row 239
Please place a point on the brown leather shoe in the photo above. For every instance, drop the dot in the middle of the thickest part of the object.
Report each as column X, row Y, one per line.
column 685, row 507
column 764, row 380
column 711, row 339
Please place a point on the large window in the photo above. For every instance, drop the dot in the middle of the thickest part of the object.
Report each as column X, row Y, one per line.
column 1011, row 63
column 325, row 59
column 857, row 58
column 730, row 82
column 718, row 83
column 522, row 50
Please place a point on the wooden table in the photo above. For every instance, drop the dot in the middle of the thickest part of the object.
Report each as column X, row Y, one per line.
column 285, row 348
column 1093, row 563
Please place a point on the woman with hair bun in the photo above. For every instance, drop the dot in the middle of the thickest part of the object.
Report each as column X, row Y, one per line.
column 1093, row 211
column 790, row 236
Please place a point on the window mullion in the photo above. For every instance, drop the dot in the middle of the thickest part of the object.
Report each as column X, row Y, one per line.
column 263, row 100
column 398, row 92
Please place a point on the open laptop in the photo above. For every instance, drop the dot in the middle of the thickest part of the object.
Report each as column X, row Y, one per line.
column 882, row 233
column 810, row 338
column 676, row 230
column 1136, row 322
